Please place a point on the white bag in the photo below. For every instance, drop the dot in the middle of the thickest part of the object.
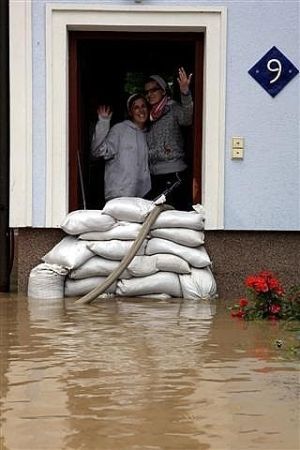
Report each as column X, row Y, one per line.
column 171, row 263
column 180, row 219
column 200, row 284
column 158, row 283
column 83, row 220
column 95, row 267
column 131, row 209
column 122, row 230
column 69, row 253
column 142, row 266
column 183, row 236
column 197, row 257
column 114, row 249
column 46, row 281
column 74, row 288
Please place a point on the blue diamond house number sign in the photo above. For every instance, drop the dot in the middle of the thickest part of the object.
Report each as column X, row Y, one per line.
column 273, row 71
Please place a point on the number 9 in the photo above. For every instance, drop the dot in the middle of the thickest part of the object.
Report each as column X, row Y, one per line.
column 277, row 67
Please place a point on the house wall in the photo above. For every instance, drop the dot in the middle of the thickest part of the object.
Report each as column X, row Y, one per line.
column 261, row 192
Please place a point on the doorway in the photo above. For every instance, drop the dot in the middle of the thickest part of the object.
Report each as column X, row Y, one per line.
column 106, row 67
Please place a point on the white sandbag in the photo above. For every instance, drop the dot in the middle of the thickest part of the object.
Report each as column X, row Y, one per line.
column 95, row 267
column 74, row 288
column 46, row 281
column 121, row 230
column 183, row 236
column 158, row 283
column 195, row 256
column 131, row 209
column 142, row 266
column 171, row 263
column 180, row 219
column 69, row 252
column 83, row 220
column 200, row 284
column 113, row 249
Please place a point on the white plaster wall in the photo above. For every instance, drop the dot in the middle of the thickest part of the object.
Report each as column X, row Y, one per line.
column 262, row 192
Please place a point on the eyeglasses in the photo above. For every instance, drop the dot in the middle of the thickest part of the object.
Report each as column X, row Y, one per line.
column 152, row 91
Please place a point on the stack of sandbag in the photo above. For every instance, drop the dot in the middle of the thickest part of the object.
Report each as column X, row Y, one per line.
column 171, row 262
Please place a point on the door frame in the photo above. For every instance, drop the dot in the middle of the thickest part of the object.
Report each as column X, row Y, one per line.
column 75, row 119
column 50, row 192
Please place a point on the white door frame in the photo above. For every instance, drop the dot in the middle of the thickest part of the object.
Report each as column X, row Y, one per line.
column 132, row 18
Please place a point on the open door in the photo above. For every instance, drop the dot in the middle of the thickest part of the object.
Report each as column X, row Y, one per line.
column 106, row 67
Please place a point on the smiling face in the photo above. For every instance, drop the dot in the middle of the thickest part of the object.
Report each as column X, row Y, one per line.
column 153, row 92
column 139, row 112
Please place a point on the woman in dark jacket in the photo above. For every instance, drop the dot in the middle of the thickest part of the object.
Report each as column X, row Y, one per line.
column 164, row 136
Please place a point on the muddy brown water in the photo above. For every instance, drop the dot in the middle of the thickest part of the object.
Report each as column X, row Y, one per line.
column 133, row 374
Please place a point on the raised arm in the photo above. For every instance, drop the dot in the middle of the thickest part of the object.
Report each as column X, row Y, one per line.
column 101, row 145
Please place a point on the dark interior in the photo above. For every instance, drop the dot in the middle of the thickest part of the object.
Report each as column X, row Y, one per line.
column 110, row 67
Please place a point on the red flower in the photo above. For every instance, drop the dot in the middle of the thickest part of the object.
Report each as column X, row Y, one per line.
column 238, row 313
column 275, row 309
column 243, row 302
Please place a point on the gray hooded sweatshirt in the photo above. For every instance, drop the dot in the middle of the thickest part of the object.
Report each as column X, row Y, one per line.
column 125, row 151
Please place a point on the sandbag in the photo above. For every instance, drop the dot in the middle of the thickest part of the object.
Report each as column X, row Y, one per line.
column 142, row 266
column 84, row 220
column 195, row 256
column 74, row 288
column 69, row 253
column 130, row 209
column 183, row 236
column 96, row 266
column 121, row 230
column 113, row 249
column 158, row 283
column 199, row 284
column 171, row 263
column 192, row 220
column 46, row 281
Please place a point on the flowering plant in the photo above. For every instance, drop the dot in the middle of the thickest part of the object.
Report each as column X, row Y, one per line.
column 266, row 299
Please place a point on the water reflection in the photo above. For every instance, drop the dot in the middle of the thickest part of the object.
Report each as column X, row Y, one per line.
column 127, row 375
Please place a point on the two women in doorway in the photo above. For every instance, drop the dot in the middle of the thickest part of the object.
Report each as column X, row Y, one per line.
column 125, row 170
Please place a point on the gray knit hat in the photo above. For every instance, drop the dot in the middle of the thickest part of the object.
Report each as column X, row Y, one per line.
column 160, row 81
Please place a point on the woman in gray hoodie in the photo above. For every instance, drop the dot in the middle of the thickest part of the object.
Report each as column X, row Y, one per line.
column 124, row 149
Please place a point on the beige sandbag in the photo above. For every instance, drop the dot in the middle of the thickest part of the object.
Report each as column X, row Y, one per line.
column 199, row 284
column 195, row 256
column 183, row 236
column 158, row 283
column 171, row 263
column 46, row 281
column 69, row 253
column 84, row 220
column 142, row 266
column 74, row 288
column 130, row 209
column 113, row 249
column 192, row 220
column 96, row 266
column 121, row 230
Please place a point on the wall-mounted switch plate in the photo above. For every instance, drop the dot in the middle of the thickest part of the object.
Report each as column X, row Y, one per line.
column 237, row 148
column 237, row 153
column 237, row 142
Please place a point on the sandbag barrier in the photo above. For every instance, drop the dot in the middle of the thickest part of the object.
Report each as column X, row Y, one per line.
column 171, row 259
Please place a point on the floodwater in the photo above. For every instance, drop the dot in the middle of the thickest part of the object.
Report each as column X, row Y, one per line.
column 125, row 374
